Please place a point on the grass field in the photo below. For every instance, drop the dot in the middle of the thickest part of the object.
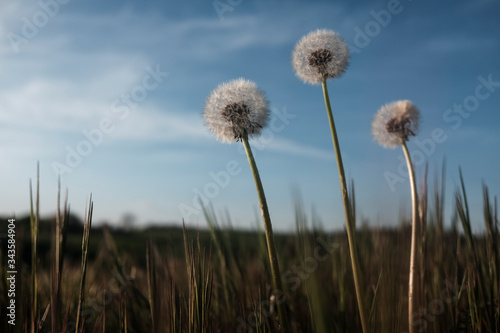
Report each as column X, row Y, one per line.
column 170, row 279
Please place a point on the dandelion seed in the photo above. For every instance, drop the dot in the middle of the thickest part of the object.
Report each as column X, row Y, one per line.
column 236, row 109
column 395, row 122
column 320, row 55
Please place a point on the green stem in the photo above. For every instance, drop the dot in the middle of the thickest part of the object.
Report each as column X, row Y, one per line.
column 351, row 228
column 414, row 199
column 273, row 256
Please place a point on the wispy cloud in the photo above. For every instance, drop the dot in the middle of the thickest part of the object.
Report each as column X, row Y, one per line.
column 149, row 125
column 293, row 148
column 61, row 103
column 74, row 92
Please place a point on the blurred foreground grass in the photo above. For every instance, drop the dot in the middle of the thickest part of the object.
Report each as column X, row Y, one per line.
column 170, row 279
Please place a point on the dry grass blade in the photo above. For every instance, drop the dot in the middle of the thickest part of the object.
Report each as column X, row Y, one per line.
column 59, row 234
column 200, row 284
column 422, row 238
column 44, row 317
column 476, row 274
column 352, row 203
column 151, row 275
column 34, row 218
column 317, row 305
column 186, row 250
column 374, row 301
column 217, row 239
column 157, row 290
column 85, row 246
column 492, row 258
column 439, row 194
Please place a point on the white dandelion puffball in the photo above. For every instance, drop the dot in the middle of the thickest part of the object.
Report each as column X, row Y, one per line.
column 236, row 109
column 321, row 54
column 395, row 122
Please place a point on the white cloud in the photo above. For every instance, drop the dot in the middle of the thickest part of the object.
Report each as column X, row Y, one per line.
column 65, row 81
column 62, row 104
column 297, row 149
column 147, row 124
column 73, row 70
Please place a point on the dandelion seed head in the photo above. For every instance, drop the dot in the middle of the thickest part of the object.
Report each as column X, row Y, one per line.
column 321, row 54
column 236, row 109
column 395, row 122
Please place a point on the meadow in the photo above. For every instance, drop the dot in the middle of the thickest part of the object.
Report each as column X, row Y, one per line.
column 75, row 277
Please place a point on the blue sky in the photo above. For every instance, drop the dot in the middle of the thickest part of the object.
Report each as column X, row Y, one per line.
column 122, row 85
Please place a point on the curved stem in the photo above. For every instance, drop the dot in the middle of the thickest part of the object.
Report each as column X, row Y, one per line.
column 351, row 228
column 414, row 200
column 271, row 248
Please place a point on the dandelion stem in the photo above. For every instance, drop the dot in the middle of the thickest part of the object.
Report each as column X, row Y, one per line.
column 414, row 199
column 351, row 229
column 273, row 256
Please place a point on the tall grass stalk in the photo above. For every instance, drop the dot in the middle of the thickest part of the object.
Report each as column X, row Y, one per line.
column 161, row 291
column 152, row 287
column 476, row 270
column 317, row 305
column 492, row 250
column 200, row 287
column 123, row 312
column 186, row 250
column 438, row 219
column 422, row 239
column 85, row 246
column 273, row 256
column 216, row 237
column 413, row 246
column 34, row 219
column 58, row 244
column 350, row 224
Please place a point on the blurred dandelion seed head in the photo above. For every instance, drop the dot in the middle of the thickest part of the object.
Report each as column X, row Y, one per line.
column 394, row 122
column 236, row 109
column 321, row 54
